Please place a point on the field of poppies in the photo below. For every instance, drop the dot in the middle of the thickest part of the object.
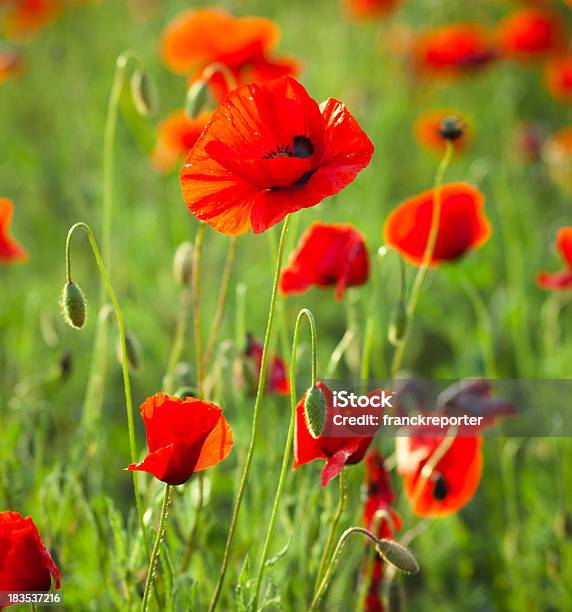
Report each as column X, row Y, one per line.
column 216, row 216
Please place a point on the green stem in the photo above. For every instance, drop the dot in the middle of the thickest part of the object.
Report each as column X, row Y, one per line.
column 156, row 548
column 254, row 431
column 179, row 340
column 196, row 291
column 190, row 542
column 286, row 455
column 425, row 263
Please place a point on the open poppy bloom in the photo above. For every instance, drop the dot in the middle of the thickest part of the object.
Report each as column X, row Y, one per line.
column 462, row 224
column 25, row 18
column 430, row 131
column 177, row 135
column 10, row 250
column 558, row 77
column 370, row 9
column 270, row 150
column 277, row 378
column 557, row 154
column 454, row 50
column 530, row 34
column 337, row 451
column 184, row 436
column 11, row 63
column 560, row 280
column 327, row 256
column 25, row 563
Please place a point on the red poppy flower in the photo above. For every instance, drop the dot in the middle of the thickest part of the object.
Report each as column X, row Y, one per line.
column 11, row 63
column 25, row 563
column 177, row 135
column 558, row 76
column 327, row 256
column 454, row 479
column 530, row 34
column 277, row 379
column 462, row 224
column 454, row 50
column 560, row 280
column 429, row 131
column 184, row 436
column 25, row 18
column 270, row 150
column 370, row 9
column 10, row 250
column 336, row 451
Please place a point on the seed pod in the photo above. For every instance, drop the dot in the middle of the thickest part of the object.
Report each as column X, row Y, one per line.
column 132, row 350
column 183, row 264
column 73, row 305
column 451, row 128
column 397, row 555
column 183, row 392
column 197, row 96
column 315, row 411
column 398, row 323
column 143, row 93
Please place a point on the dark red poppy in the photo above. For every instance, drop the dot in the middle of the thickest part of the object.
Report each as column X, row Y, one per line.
column 327, row 256
column 25, row 563
column 454, row 50
column 429, row 131
column 558, row 77
column 184, row 436
column 177, row 135
column 370, row 9
column 530, row 34
column 560, row 280
column 11, row 63
column 462, row 224
column 10, row 250
column 451, row 483
column 277, row 381
column 336, row 451
column 270, row 150
column 25, row 18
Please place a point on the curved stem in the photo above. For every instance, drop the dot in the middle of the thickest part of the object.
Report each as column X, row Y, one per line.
column 254, row 431
column 425, row 263
column 286, row 455
column 196, row 290
column 224, row 71
column 156, row 548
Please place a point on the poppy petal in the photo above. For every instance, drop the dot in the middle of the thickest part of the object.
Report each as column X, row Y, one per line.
column 564, row 244
column 336, row 463
column 10, row 250
column 217, row 446
column 557, row 280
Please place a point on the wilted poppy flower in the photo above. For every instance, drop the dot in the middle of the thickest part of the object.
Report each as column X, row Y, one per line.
column 10, row 250
column 327, row 256
column 336, row 451
column 530, row 34
column 270, row 150
column 25, row 18
column 560, row 280
column 25, row 563
column 462, row 224
column 277, row 381
column 177, row 135
column 558, row 76
column 370, row 9
column 453, row 50
column 431, row 131
column 11, row 63
column 454, row 479
column 557, row 153
column 184, row 436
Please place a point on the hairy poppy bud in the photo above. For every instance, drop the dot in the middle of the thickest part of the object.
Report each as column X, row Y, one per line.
column 315, row 411
column 398, row 323
column 397, row 555
column 133, row 351
column 183, row 264
column 183, row 392
column 197, row 95
column 143, row 93
column 73, row 305
column 451, row 128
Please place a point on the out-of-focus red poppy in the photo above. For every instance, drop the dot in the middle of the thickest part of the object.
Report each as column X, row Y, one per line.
column 10, row 250
column 25, row 18
column 25, row 563
column 11, row 63
column 560, row 280
column 270, row 150
column 462, row 224
column 335, row 450
column 177, row 135
column 531, row 34
column 327, row 256
column 451, row 483
column 558, row 78
column 277, row 378
column 198, row 38
column 557, row 154
column 370, row 9
column 184, row 436
column 454, row 50
column 429, row 131
column 527, row 141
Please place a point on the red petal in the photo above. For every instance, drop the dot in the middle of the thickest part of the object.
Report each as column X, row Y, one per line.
column 217, row 446
column 564, row 244
column 558, row 280
column 338, row 460
column 10, row 250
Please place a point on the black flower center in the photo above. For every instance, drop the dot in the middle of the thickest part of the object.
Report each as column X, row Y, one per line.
column 440, row 488
column 301, row 148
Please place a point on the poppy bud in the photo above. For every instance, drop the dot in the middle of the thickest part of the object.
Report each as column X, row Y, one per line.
column 398, row 323
column 315, row 411
column 197, row 95
column 183, row 392
column 451, row 128
column 397, row 555
column 183, row 264
column 132, row 349
column 65, row 365
column 73, row 305
column 143, row 93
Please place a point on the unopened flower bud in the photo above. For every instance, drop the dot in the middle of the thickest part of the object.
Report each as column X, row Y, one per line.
column 132, row 350
column 451, row 128
column 143, row 93
column 197, row 96
column 73, row 305
column 398, row 324
column 396, row 554
column 315, row 411
column 183, row 392
column 183, row 264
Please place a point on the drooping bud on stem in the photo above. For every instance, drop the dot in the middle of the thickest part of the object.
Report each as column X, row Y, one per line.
column 197, row 96
column 183, row 264
column 398, row 323
column 397, row 555
column 143, row 93
column 315, row 411
column 132, row 349
column 73, row 305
